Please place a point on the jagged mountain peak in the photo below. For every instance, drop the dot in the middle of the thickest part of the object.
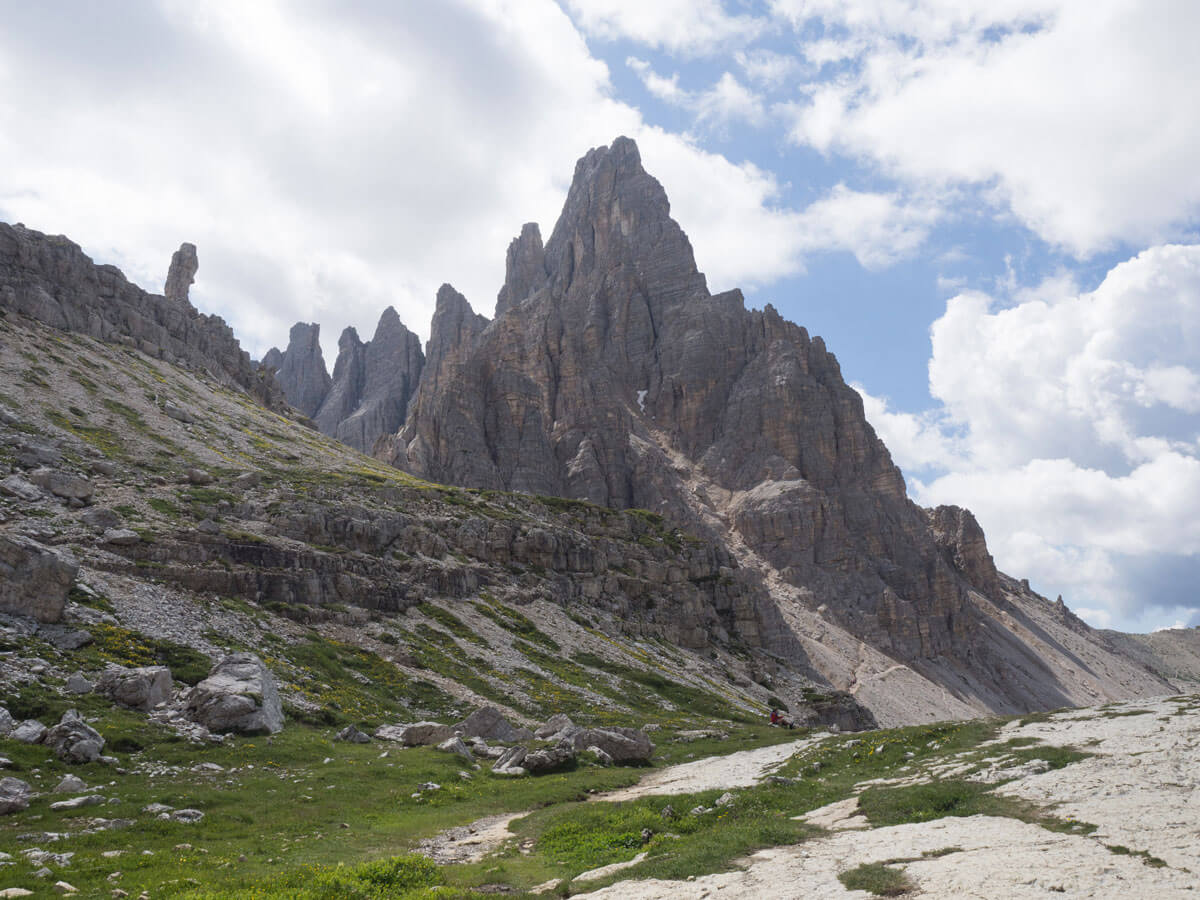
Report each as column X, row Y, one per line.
column 524, row 268
column 617, row 215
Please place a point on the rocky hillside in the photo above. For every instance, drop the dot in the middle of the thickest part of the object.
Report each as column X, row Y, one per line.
column 51, row 280
column 175, row 497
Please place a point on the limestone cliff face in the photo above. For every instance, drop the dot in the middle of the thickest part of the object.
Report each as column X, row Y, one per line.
column 367, row 396
column 301, row 372
column 50, row 279
column 611, row 374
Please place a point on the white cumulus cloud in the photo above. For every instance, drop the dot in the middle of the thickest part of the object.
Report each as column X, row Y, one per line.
column 1070, row 424
column 1074, row 114
column 329, row 160
column 683, row 26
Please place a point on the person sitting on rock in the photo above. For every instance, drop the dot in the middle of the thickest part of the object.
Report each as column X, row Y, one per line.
column 778, row 720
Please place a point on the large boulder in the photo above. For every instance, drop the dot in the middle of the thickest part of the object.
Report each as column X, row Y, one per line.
column 549, row 759
column 74, row 740
column 31, row 731
column 351, row 735
column 456, row 745
column 34, row 580
column 6, row 722
column 142, row 688
column 489, row 723
column 623, row 745
column 510, row 762
column 63, row 484
column 239, row 694
column 416, row 734
column 554, row 726
column 14, row 795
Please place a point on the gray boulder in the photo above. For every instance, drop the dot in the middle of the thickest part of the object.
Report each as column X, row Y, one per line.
column 510, row 762
column 352, row 735
column 6, row 722
column 549, row 759
column 173, row 411
column 64, row 637
column 142, row 688
column 70, row 784
column 74, row 740
column 31, row 731
column 33, row 456
column 79, row 684
column 121, row 537
column 623, row 745
column 488, row 722
column 456, row 745
column 63, row 484
column 554, row 726
column 417, row 734
column 14, row 795
column 20, row 488
column 602, row 756
column 100, row 517
column 239, row 694
column 34, row 580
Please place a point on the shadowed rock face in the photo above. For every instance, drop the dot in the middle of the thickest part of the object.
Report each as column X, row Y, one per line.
column 367, row 397
column 301, row 371
column 611, row 374
column 50, row 279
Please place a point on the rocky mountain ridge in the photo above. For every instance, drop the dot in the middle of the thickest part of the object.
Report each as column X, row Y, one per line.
column 367, row 396
column 48, row 278
column 610, row 374
column 779, row 527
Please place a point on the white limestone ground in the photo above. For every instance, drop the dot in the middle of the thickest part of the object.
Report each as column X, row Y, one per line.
column 742, row 769
column 1142, row 790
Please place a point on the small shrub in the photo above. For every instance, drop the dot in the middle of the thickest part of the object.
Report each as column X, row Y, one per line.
column 876, row 878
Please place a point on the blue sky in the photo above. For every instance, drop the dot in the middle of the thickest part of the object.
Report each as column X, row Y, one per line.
column 989, row 210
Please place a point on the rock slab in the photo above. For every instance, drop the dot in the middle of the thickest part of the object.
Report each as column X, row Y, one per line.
column 239, row 694
column 34, row 580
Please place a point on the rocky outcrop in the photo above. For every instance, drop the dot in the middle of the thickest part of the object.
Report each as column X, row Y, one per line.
column 182, row 273
column 50, row 279
column 239, row 694
column 489, row 723
column 301, row 371
column 524, row 268
column 14, row 795
column 34, row 580
column 74, row 740
column 367, row 397
column 142, row 688
column 962, row 541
